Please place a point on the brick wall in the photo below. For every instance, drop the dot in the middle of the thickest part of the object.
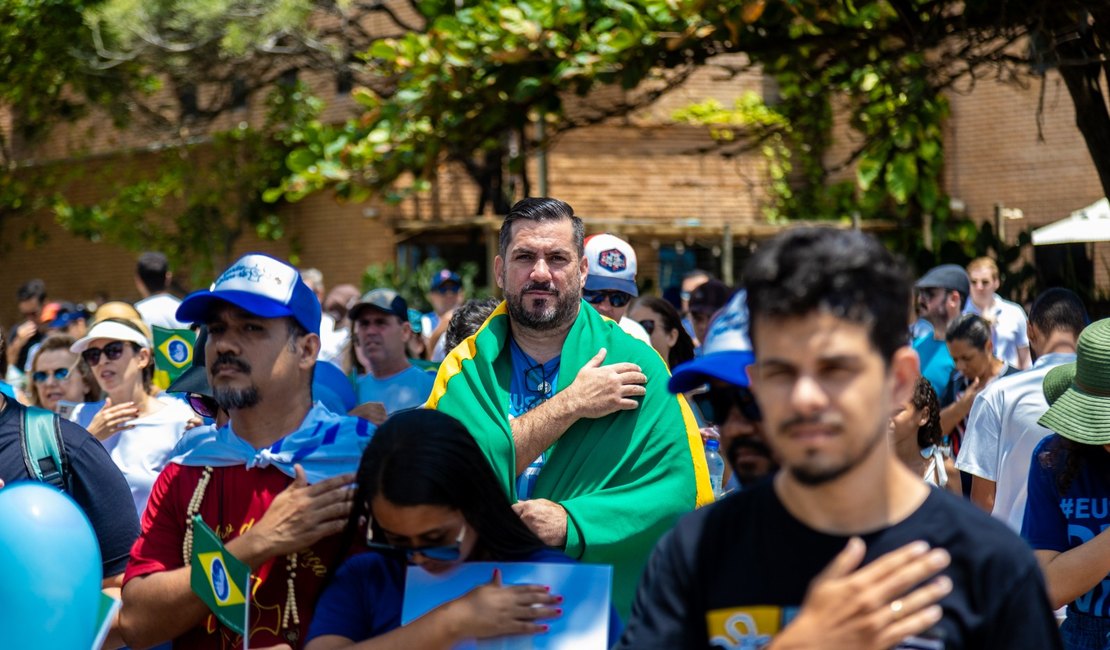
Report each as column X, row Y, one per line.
column 625, row 176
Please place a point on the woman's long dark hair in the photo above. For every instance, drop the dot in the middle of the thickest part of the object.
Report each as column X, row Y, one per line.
column 683, row 348
column 924, row 397
column 425, row 457
column 1066, row 458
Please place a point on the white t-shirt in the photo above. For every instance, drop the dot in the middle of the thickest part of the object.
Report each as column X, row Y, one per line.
column 332, row 341
column 407, row 389
column 141, row 452
column 1009, row 329
column 635, row 329
column 1001, row 433
column 161, row 310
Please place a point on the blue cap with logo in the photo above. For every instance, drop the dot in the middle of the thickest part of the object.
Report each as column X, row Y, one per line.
column 612, row 264
column 262, row 285
column 726, row 352
column 443, row 277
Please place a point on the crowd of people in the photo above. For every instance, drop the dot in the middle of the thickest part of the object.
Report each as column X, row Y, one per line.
column 334, row 439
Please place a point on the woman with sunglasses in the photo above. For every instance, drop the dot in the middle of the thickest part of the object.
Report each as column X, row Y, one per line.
column 137, row 429
column 661, row 321
column 426, row 495
column 59, row 376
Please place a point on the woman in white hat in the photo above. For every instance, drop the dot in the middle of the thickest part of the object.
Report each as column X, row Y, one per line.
column 137, row 429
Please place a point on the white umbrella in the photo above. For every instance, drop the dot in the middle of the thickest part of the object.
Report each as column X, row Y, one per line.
column 1090, row 224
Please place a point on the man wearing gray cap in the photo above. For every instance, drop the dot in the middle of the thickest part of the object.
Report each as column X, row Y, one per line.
column 381, row 327
column 941, row 294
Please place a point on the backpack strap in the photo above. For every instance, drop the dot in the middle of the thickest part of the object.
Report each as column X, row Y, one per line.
column 43, row 450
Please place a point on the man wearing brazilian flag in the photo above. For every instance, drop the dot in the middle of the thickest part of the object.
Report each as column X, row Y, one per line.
column 611, row 459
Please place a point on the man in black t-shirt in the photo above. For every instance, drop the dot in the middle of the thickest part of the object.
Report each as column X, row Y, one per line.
column 95, row 483
column 828, row 328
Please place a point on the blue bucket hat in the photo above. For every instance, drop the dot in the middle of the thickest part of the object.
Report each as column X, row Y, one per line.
column 726, row 352
column 262, row 285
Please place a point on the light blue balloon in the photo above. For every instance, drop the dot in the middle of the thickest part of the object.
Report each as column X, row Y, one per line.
column 50, row 570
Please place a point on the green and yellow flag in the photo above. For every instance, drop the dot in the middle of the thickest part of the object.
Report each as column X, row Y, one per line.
column 220, row 580
column 173, row 354
column 623, row 479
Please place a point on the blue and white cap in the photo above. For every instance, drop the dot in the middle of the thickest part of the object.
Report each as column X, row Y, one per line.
column 262, row 285
column 612, row 264
column 726, row 351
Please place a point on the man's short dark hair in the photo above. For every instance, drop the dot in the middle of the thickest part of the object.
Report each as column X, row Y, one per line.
column 152, row 270
column 844, row 273
column 540, row 210
column 32, row 289
column 466, row 320
column 1058, row 309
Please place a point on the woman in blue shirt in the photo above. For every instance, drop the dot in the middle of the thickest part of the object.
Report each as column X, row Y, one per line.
column 427, row 494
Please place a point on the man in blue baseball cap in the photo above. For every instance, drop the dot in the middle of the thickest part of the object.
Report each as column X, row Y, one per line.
column 446, row 293
column 726, row 402
column 273, row 482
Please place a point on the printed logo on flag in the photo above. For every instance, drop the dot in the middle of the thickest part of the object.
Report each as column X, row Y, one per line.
column 223, row 588
column 612, row 260
column 219, row 579
column 177, row 351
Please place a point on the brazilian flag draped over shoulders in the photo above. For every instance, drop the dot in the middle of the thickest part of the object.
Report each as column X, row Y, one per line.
column 623, row 479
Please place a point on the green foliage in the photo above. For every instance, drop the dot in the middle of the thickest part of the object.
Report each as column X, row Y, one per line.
column 413, row 285
column 475, row 74
column 199, row 199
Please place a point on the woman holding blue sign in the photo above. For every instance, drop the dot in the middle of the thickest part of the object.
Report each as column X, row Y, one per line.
column 426, row 495
column 137, row 429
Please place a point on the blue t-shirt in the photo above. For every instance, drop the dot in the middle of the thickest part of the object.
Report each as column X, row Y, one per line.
column 936, row 364
column 365, row 597
column 1060, row 523
column 407, row 389
column 532, row 384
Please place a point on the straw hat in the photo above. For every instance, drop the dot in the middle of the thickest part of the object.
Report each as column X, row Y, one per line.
column 1057, row 381
column 1082, row 412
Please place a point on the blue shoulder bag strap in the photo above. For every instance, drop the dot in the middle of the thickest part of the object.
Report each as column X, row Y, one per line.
column 43, row 449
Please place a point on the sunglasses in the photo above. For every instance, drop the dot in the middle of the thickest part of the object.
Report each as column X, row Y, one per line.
column 451, row 553
column 447, row 289
column 113, row 351
column 616, row 298
column 59, row 374
column 717, row 402
column 648, row 325
column 202, row 405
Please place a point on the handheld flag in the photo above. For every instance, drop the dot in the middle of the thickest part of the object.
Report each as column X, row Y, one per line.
column 106, row 615
column 220, row 580
column 173, row 354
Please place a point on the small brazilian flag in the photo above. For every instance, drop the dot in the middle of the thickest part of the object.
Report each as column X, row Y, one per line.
column 220, row 580
column 173, row 354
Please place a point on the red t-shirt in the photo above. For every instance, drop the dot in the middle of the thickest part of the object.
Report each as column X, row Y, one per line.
column 234, row 501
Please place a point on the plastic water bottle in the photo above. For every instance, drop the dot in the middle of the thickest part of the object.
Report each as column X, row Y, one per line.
column 716, row 466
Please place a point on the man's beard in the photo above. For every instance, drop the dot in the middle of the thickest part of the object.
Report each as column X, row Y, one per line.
column 557, row 310
column 813, row 474
column 234, row 398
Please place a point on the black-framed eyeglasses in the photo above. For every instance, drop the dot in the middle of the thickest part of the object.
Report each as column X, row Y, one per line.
column 113, row 351
column 449, row 553
column 59, row 374
column 616, row 298
column 648, row 325
column 203, row 405
column 716, row 403
column 538, row 386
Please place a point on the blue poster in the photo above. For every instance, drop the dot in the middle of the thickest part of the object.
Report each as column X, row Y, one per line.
column 585, row 589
